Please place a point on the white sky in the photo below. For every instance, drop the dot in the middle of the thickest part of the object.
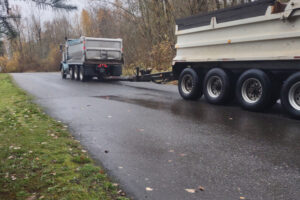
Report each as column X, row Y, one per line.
column 27, row 8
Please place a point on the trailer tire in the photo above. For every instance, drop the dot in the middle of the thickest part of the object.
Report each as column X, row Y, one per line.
column 72, row 72
column 76, row 73
column 254, row 90
column 189, row 84
column 217, row 86
column 290, row 95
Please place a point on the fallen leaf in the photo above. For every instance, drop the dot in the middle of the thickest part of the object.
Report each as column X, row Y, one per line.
column 115, row 184
column 149, row 189
column 169, row 161
column 182, row 154
column 120, row 167
column 242, row 198
column 11, row 157
column 171, row 151
column 32, row 197
column 83, row 151
column 13, row 178
column 37, row 158
column 201, row 188
column 190, row 190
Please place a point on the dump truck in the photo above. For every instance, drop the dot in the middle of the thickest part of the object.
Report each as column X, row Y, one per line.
column 87, row 57
column 250, row 52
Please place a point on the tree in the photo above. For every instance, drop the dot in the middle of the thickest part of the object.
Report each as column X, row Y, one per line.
column 86, row 23
column 6, row 27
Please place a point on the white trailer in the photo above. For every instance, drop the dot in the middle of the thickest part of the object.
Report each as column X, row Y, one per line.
column 251, row 52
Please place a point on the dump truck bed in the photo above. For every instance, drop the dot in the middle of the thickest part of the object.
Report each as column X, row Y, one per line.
column 88, row 50
column 239, row 34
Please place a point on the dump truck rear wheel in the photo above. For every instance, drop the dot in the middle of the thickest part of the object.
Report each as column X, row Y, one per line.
column 76, row 73
column 72, row 72
column 189, row 84
column 63, row 73
column 82, row 76
column 290, row 95
column 254, row 91
column 217, row 86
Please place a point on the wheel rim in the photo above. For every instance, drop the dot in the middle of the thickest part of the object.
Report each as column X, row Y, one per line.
column 214, row 86
column 81, row 75
column 252, row 90
column 75, row 74
column 294, row 96
column 187, row 84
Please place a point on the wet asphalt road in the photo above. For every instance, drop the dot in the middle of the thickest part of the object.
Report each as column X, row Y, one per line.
column 155, row 139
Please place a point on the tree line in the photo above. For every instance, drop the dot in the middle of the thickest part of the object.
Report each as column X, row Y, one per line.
column 147, row 28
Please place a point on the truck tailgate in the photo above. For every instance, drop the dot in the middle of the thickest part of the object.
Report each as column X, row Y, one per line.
column 103, row 49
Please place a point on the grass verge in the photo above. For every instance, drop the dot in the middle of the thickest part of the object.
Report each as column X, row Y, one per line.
column 39, row 159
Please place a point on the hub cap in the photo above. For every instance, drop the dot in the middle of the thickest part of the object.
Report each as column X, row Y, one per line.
column 252, row 90
column 214, row 86
column 187, row 84
column 294, row 96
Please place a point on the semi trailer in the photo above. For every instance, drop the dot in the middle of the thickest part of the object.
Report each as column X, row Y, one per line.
column 88, row 57
column 249, row 52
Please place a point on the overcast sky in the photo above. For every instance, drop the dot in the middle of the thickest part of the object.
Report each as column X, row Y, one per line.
column 28, row 8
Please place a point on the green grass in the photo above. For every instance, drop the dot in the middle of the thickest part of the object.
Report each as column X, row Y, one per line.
column 39, row 159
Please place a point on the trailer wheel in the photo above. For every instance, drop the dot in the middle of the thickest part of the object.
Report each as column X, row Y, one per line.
column 189, row 84
column 254, row 91
column 76, row 73
column 82, row 76
column 72, row 73
column 217, row 86
column 63, row 73
column 290, row 95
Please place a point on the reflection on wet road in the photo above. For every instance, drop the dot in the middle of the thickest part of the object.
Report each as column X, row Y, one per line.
column 157, row 140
